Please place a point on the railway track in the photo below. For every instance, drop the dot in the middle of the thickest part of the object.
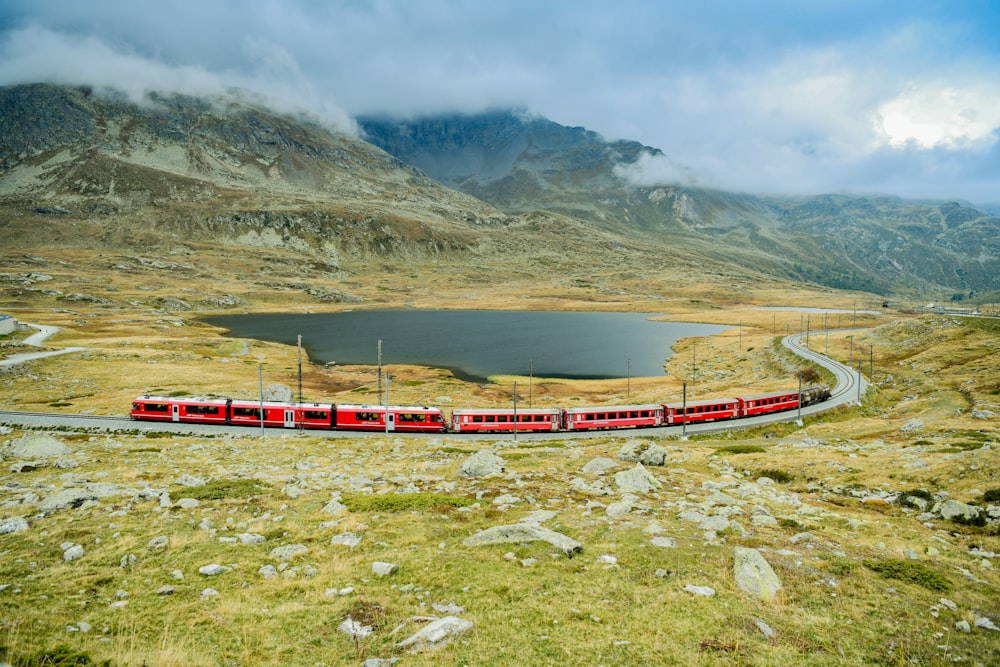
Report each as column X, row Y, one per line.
column 848, row 388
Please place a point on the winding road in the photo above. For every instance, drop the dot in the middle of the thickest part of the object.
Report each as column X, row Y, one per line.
column 849, row 387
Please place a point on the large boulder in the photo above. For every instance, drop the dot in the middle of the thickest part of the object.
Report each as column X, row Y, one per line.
column 37, row 446
column 483, row 463
column 524, row 532
column 754, row 574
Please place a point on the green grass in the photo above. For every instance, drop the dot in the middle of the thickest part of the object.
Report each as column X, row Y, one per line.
column 910, row 571
column 740, row 449
column 226, row 488
column 403, row 502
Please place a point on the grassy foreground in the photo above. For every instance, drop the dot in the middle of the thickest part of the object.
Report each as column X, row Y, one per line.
column 865, row 578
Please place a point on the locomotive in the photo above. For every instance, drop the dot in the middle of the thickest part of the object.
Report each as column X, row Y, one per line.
column 422, row 419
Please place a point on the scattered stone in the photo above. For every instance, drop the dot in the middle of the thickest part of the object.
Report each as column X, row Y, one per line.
column 213, row 569
column 334, row 507
column 190, row 480
column 524, row 532
column 66, row 499
column 383, row 569
column 483, row 463
column 188, row 503
column 964, row 626
column 664, row 542
column 209, row 592
column 159, row 542
column 288, row 551
column 754, row 575
column 608, row 559
column 539, row 516
column 37, row 446
column 985, row 623
column 636, row 480
column 765, row 629
column 953, row 509
column 268, row 572
column 598, row 466
column 347, row 539
column 72, row 553
column 278, row 392
column 166, row 590
column 355, row 629
column 437, row 633
column 14, row 524
column 911, row 426
column 705, row 591
column 251, row 538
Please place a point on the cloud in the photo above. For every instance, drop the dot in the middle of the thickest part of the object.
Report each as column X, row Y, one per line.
column 778, row 96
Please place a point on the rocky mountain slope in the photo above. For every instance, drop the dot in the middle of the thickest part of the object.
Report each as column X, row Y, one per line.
column 519, row 163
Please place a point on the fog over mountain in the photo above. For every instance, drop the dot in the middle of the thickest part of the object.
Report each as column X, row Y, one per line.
column 890, row 98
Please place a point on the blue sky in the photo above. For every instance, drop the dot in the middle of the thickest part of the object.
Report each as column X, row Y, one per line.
column 771, row 96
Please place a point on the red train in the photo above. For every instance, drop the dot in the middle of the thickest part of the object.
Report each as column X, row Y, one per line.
column 399, row 418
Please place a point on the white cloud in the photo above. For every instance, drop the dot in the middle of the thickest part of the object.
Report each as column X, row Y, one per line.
column 942, row 115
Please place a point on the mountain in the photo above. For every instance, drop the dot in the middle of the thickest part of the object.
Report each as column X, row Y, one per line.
column 501, row 203
column 517, row 163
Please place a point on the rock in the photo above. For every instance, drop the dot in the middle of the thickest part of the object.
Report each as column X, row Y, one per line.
column 383, row 569
column 288, row 551
column 636, row 480
column 334, row 507
column 754, row 575
column 641, row 451
column 714, row 523
column 72, row 553
column 159, row 542
column 911, row 426
column 524, row 532
column 14, row 524
column 37, row 446
column 251, row 538
column 704, row 591
column 765, row 629
column 953, row 509
column 213, row 569
column 985, row 623
column 268, row 572
column 964, row 626
column 166, row 589
column 65, row 499
column 347, row 539
column 278, row 392
column 436, row 633
column 598, row 466
column 354, row 629
column 664, row 542
column 483, row 463
column 623, row 506
column 189, row 480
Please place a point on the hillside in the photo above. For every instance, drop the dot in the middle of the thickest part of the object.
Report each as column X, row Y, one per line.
column 883, row 245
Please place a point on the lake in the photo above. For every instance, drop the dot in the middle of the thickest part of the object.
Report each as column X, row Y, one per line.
column 475, row 344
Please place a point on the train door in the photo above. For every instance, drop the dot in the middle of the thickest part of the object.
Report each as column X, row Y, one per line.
column 390, row 421
column 175, row 412
column 289, row 418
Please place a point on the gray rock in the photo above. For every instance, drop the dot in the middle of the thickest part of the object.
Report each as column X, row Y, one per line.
column 65, row 499
column 37, row 446
column 213, row 569
column 347, row 539
column 14, row 524
column 636, row 480
column 704, row 591
column 953, row 509
column 641, row 451
column 524, row 532
column 189, row 480
column 288, row 551
column 765, row 629
column 251, row 538
column 714, row 523
column 334, row 507
column 159, row 542
column 278, row 392
column 754, row 575
column 598, row 466
column 72, row 553
column 268, row 572
column 383, row 569
column 436, row 633
column 665, row 542
column 483, row 463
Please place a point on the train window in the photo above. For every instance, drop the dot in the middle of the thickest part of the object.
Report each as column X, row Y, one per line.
column 157, row 407
column 202, row 409
column 366, row 416
column 316, row 414
column 247, row 412
column 477, row 418
column 491, row 418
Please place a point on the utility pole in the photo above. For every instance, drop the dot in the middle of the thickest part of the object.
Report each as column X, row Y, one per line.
column 684, row 412
column 300, row 369
column 850, row 357
column 260, row 382
column 807, row 330
column 515, row 411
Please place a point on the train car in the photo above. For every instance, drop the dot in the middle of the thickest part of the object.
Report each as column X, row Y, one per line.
column 281, row 414
column 190, row 409
column 620, row 416
column 496, row 420
column 402, row 418
column 761, row 404
column 815, row 394
column 701, row 411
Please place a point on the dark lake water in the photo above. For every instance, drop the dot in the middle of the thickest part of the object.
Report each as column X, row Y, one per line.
column 475, row 344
